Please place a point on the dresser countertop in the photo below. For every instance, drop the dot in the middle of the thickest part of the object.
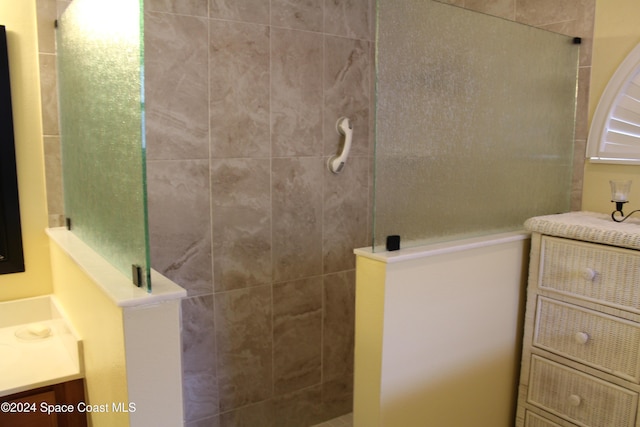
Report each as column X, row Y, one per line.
column 589, row 227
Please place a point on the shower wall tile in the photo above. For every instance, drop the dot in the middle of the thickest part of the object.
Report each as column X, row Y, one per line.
column 297, row 14
column 241, row 217
column 581, row 26
column 49, row 94
column 349, row 18
column 244, row 340
column 582, row 107
column 176, row 80
column 297, row 217
column 46, row 16
column 53, row 171
column 337, row 396
column 258, row 415
column 205, row 422
column 296, row 93
column 338, row 344
column 345, row 205
column 585, row 26
column 459, row 3
column 577, row 179
column 62, row 6
column 544, row 12
column 179, row 222
column 198, row 358
column 502, row 8
column 239, row 89
column 339, row 325
column 256, row 11
column 181, row 7
column 300, row 408
column 346, row 92
column 297, row 334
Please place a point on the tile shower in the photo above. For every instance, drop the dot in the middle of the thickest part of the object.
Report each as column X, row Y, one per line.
column 242, row 98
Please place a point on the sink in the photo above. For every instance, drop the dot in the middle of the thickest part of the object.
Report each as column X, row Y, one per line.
column 38, row 345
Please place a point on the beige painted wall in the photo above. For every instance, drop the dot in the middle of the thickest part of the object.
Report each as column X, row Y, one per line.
column 616, row 34
column 19, row 17
column 100, row 325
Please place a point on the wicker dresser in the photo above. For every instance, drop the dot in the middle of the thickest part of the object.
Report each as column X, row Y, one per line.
column 581, row 347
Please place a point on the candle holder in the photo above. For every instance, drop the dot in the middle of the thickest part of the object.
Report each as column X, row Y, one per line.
column 620, row 195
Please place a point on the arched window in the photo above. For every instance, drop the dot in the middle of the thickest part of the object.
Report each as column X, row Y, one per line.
column 615, row 129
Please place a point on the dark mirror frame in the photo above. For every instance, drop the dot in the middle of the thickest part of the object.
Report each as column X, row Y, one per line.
column 11, row 254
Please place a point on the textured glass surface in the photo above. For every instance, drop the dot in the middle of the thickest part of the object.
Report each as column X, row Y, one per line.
column 101, row 108
column 474, row 122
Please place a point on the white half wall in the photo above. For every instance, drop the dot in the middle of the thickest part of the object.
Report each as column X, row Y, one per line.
column 447, row 323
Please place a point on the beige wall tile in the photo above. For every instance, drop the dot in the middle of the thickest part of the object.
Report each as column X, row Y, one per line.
column 296, row 93
column 198, row 358
column 297, row 217
column 241, row 216
column 502, row 8
column 47, row 14
column 176, row 74
column 582, row 108
column 182, row 7
column 256, row 415
column 239, row 87
column 297, row 14
column 256, row 11
column 205, row 422
column 179, row 222
column 345, row 214
column 544, row 12
column 346, row 91
column 49, row 94
column 339, row 325
column 244, row 340
column 301, row 408
column 53, row 171
column 297, row 334
column 349, row 18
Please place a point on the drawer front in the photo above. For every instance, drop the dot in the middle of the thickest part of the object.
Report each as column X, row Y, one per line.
column 594, row 272
column 535, row 420
column 602, row 341
column 578, row 397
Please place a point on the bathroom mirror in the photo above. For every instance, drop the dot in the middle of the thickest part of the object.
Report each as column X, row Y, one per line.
column 11, row 256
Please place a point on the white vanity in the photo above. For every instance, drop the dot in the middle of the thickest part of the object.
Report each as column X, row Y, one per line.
column 38, row 346
column 41, row 364
column 581, row 348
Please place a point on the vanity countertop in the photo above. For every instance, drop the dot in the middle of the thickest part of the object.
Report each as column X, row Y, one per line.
column 37, row 346
column 589, row 227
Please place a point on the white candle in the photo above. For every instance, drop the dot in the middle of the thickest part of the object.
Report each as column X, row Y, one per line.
column 620, row 197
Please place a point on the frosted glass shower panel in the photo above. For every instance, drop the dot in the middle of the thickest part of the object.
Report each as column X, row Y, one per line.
column 474, row 122
column 100, row 58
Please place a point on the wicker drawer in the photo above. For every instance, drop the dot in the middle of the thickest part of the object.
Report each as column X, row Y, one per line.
column 602, row 341
column 594, row 272
column 535, row 420
column 578, row 397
